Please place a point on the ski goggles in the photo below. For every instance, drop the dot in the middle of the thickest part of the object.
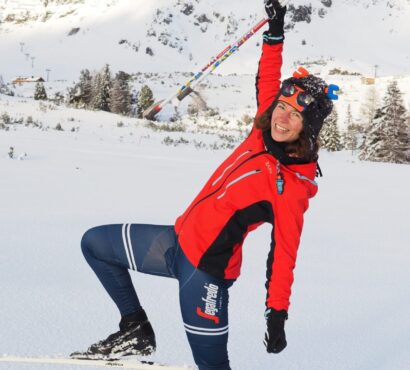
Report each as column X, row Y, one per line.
column 295, row 96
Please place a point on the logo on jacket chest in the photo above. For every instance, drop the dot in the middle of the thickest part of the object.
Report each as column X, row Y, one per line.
column 269, row 167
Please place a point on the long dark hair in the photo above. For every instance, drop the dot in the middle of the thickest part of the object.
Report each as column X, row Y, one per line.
column 304, row 147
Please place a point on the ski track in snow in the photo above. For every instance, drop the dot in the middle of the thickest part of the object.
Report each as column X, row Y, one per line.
column 350, row 297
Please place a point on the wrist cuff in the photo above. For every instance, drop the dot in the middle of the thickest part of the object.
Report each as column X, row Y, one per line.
column 271, row 312
column 271, row 39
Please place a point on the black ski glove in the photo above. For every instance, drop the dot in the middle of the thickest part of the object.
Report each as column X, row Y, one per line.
column 276, row 14
column 275, row 338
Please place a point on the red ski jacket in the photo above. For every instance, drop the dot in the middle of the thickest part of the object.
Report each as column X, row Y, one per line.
column 242, row 194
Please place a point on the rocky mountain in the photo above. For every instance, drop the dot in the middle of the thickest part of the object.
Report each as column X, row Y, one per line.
column 64, row 36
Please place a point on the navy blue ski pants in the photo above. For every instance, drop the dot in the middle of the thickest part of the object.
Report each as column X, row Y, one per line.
column 112, row 250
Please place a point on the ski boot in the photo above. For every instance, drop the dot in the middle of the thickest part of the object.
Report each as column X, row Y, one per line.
column 135, row 337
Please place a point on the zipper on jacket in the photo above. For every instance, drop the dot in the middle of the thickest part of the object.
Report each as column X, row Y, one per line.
column 250, row 173
column 228, row 167
column 301, row 177
column 220, row 187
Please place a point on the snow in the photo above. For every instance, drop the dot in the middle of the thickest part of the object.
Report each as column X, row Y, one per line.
column 329, row 44
column 354, row 35
column 351, row 294
column 350, row 297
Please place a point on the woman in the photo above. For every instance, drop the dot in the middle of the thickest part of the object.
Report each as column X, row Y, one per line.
column 268, row 178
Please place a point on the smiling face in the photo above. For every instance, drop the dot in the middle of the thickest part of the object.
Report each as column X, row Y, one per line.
column 286, row 123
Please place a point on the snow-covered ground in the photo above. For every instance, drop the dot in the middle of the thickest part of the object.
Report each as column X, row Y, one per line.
column 351, row 294
column 231, row 95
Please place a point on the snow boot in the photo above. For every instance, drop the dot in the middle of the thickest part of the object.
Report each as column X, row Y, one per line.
column 135, row 337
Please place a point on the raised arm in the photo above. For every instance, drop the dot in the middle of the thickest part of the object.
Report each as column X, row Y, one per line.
column 270, row 63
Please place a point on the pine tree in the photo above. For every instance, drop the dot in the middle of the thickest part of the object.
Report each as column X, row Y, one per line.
column 145, row 100
column 96, row 99
column 72, row 95
column 374, row 138
column 120, row 94
column 349, row 116
column 40, row 92
column 102, row 83
column 329, row 135
column 408, row 132
column 85, row 88
column 387, row 139
column 4, row 89
column 368, row 108
column 134, row 102
column 80, row 95
column 350, row 138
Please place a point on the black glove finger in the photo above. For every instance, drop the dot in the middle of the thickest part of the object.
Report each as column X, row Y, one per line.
column 275, row 345
column 269, row 343
column 274, row 9
column 270, row 10
column 266, row 340
column 280, row 10
column 279, row 345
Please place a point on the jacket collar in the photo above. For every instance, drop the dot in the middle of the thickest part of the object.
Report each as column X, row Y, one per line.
column 277, row 150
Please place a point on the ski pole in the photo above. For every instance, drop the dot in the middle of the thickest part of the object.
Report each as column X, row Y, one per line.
column 186, row 89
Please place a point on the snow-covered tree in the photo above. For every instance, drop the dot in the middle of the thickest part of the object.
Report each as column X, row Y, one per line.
column 96, row 100
column 329, row 135
column 102, row 83
column 40, row 92
column 374, row 139
column 58, row 98
column 85, row 88
column 120, row 94
column 369, row 106
column 4, row 89
column 349, row 116
column 80, row 95
column 5, row 118
column 134, row 102
column 408, row 131
column 350, row 138
column 145, row 99
column 388, row 138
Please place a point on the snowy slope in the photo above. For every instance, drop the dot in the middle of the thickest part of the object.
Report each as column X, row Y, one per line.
column 350, row 298
column 66, row 36
column 232, row 95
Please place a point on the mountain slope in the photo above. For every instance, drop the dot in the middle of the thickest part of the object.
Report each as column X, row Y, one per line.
column 134, row 35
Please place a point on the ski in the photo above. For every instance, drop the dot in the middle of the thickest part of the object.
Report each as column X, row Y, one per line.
column 124, row 364
column 209, row 67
